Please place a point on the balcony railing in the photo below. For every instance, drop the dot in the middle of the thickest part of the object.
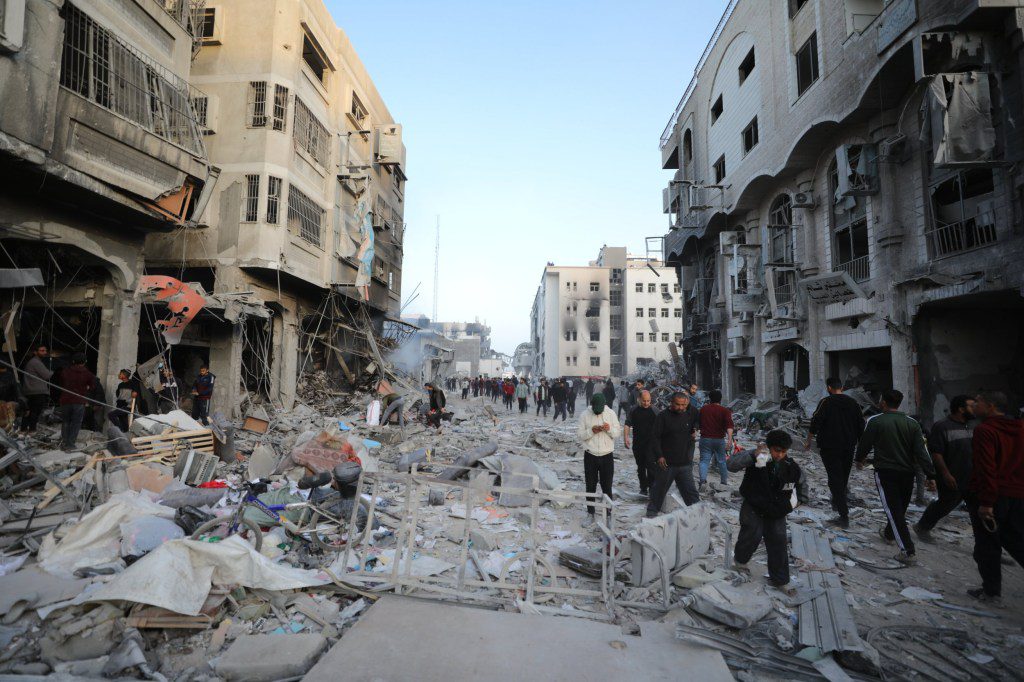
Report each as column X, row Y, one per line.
column 99, row 66
column 858, row 268
column 965, row 235
column 784, row 294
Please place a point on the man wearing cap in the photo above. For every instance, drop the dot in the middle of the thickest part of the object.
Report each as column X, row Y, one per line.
column 598, row 428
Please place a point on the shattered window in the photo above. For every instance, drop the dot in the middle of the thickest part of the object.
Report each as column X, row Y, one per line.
column 849, row 231
column 652, row 312
column 652, row 288
column 677, row 288
column 963, row 213
column 639, row 287
column 595, row 336
column 595, row 286
column 615, row 298
column 664, row 337
column 310, row 135
column 639, row 312
column 780, row 230
column 595, row 361
column 652, row 337
column 313, row 58
column 640, row 336
column 615, row 322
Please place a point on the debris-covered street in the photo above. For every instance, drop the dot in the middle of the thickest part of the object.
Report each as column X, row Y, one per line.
column 103, row 580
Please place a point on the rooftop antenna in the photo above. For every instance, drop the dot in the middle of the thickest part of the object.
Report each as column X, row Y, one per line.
column 437, row 261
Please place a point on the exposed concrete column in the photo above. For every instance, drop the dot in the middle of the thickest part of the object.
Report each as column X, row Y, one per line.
column 804, row 218
column 285, row 366
column 118, row 338
column 886, row 229
column 226, row 365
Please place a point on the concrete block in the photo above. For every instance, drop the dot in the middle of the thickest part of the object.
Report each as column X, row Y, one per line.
column 483, row 541
column 263, row 658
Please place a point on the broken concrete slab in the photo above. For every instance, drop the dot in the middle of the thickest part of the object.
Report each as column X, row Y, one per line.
column 264, row 658
column 736, row 606
column 409, row 639
column 262, row 462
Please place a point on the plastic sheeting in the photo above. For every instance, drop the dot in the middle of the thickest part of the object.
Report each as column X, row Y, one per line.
column 178, row 575
column 96, row 539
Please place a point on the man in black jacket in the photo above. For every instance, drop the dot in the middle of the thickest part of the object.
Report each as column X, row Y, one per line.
column 838, row 424
column 950, row 448
column 640, row 425
column 769, row 494
column 672, row 450
column 560, row 395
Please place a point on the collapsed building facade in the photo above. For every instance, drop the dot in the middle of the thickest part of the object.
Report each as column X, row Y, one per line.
column 243, row 153
column 471, row 344
column 847, row 199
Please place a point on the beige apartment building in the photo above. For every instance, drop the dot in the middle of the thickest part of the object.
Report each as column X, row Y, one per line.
column 604, row 319
column 305, row 145
column 848, row 199
column 99, row 148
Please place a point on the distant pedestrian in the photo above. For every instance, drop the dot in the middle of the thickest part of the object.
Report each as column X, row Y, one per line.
column 716, row 431
column 597, row 430
column 996, row 497
column 35, row 376
column 126, row 399
column 588, row 390
column 672, row 444
column 435, row 409
column 76, row 383
column 640, row 425
column 542, row 396
column 202, row 394
column 622, row 395
column 523, row 396
column 898, row 443
column 769, row 495
column 559, row 394
column 465, row 387
column 609, row 393
column 574, row 387
column 950, row 444
column 508, row 391
column 837, row 423
column 168, row 395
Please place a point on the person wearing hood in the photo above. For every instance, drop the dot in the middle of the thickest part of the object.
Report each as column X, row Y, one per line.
column 597, row 430
column 996, row 492
column 609, row 393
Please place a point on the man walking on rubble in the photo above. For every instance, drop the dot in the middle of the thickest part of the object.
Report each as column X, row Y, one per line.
column 76, row 383
column 465, row 387
column 574, row 386
column 716, row 429
column 640, row 425
column 996, row 496
column 559, row 394
column 609, row 393
column 597, row 430
column 543, row 397
column 588, row 389
column 523, row 396
column 34, row 378
column 950, row 446
column 672, row 441
column 202, row 394
column 622, row 395
column 837, row 424
column 898, row 442
column 769, row 495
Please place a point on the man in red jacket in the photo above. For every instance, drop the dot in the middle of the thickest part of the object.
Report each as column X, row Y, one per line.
column 76, row 382
column 996, row 498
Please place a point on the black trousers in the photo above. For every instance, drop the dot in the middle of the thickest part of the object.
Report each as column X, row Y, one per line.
column 522, row 405
column 896, row 489
column 542, row 405
column 988, row 546
column 753, row 529
column 465, row 393
column 572, row 406
column 598, row 468
column 663, row 479
column 644, row 472
column 36, row 405
column 559, row 409
column 838, row 463
column 948, row 500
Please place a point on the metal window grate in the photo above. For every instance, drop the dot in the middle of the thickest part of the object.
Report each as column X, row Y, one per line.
column 103, row 69
column 201, row 108
column 305, row 217
column 273, row 199
column 280, row 108
column 310, row 135
column 257, row 109
column 251, row 199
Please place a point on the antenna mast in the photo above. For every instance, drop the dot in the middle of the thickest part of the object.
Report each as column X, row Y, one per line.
column 437, row 261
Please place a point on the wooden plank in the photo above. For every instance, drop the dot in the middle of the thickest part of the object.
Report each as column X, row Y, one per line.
column 171, row 436
column 53, row 491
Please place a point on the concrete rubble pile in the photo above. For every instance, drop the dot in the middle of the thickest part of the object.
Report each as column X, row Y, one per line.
column 105, row 578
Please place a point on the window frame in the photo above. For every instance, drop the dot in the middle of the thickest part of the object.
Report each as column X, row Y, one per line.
column 719, row 169
column 746, row 69
column 250, row 198
column 811, row 45
column 273, row 209
column 750, row 136
column 717, row 109
column 256, row 105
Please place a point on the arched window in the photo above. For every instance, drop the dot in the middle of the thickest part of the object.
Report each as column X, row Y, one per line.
column 849, row 230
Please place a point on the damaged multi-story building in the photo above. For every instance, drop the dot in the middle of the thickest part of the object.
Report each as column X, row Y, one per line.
column 236, row 146
column 310, row 157
column 608, row 318
column 99, row 149
column 471, row 343
column 848, row 199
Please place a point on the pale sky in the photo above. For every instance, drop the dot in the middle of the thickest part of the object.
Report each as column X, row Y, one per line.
column 532, row 129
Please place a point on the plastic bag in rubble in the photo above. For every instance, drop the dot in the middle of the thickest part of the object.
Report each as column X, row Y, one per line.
column 189, row 518
column 144, row 534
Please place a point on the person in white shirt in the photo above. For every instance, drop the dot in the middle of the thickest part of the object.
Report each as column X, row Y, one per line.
column 598, row 428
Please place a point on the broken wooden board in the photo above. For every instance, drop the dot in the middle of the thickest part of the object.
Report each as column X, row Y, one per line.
column 180, row 441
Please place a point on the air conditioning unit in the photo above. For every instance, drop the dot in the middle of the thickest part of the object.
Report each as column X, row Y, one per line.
column 726, row 242
column 378, row 221
column 803, row 200
column 894, row 149
column 698, row 198
column 747, row 317
column 737, row 347
column 195, row 467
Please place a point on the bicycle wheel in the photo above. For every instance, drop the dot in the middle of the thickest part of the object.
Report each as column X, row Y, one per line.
column 320, row 539
column 255, row 535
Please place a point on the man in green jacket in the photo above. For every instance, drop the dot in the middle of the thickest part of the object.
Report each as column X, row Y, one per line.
column 898, row 442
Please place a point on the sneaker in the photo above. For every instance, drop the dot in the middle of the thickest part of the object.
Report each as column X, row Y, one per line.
column 888, row 540
column 984, row 597
column 839, row 522
column 742, row 568
column 905, row 559
column 788, row 587
column 923, row 534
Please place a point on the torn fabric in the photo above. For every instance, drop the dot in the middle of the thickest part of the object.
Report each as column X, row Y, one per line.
column 183, row 302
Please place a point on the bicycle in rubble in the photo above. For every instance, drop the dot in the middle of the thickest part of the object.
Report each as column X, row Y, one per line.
column 323, row 519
